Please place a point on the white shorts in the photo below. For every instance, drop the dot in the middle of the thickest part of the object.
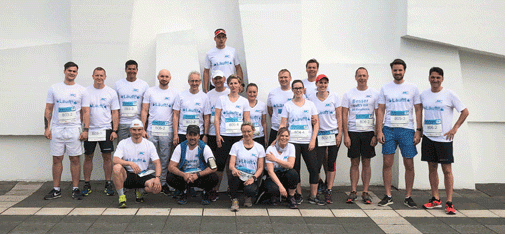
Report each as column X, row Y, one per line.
column 66, row 138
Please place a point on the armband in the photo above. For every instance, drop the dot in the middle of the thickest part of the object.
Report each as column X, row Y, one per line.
column 212, row 163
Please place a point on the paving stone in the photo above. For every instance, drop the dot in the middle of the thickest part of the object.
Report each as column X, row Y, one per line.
column 286, row 220
column 390, row 220
column 54, row 211
column 218, row 227
column 21, row 211
column 442, row 214
column 186, row 211
column 153, row 211
column 358, row 221
column 107, row 227
column 381, row 213
column 435, row 228
column 320, row 220
column 117, row 211
column 326, row 228
column 316, row 213
column 80, row 218
column 252, row 212
column 290, row 228
column 500, row 213
column 414, row 213
column 219, row 212
column 478, row 213
column 115, row 219
column 5, row 227
column 13, row 218
column 255, row 228
column 424, row 220
column 491, row 221
column 187, row 226
column 462, row 220
column 28, row 227
column 284, row 212
column 471, row 228
column 362, row 228
column 145, row 226
column 70, row 228
column 44, row 219
column 149, row 219
column 252, row 219
column 87, row 211
column 403, row 228
column 349, row 213
column 497, row 228
column 7, row 204
column 218, row 219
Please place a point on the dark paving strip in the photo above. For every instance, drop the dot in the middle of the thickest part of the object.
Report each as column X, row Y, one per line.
column 6, row 186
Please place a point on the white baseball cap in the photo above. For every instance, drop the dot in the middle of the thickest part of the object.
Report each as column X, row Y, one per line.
column 136, row 123
column 217, row 73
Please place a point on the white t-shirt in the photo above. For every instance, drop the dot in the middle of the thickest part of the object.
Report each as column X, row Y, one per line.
column 161, row 102
column 224, row 60
column 101, row 103
column 192, row 161
column 210, row 107
column 138, row 153
column 299, row 121
column 247, row 158
column 232, row 115
column 361, row 105
column 399, row 100
column 257, row 113
column 191, row 108
column 276, row 99
column 289, row 152
column 67, row 100
column 438, row 113
column 130, row 99
column 327, row 112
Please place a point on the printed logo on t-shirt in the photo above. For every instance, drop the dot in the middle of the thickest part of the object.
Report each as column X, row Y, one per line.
column 305, row 111
column 439, row 101
column 405, row 92
column 227, row 56
column 327, row 104
column 103, row 99
column 237, row 106
column 197, row 104
column 135, row 90
column 72, row 95
column 368, row 96
column 167, row 98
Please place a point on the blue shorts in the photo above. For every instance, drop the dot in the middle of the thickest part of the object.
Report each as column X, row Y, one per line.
column 399, row 137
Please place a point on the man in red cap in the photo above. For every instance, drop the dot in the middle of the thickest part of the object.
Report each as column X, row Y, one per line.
column 223, row 58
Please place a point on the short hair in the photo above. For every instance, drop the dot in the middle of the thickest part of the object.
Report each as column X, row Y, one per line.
column 437, row 70
column 131, row 62
column 251, row 85
column 284, row 70
column 313, row 60
column 297, row 81
column 398, row 62
column 247, row 124
column 233, row 76
column 193, row 73
column 70, row 64
column 99, row 69
column 282, row 130
column 360, row 68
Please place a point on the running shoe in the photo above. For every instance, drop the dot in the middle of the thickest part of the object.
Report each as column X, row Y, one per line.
column 352, row 197
column 205, row 198
column 248, row 202
column 109, row 189
column 76, row 194
column 213, row 195
column 321, row 187
column 449, row 209
column 183, row 200
column 292, row 202
column 86, row 190
column 273, row 200
column 327, row 197
column 366, row 198
column 53, row 194
column 410, row 203
column 166, row 190
column 122, row 201
column 386, row 201
column 139, row 197
column 298, row 198
column 234, row 205
column 315, row 201
column 433, row 203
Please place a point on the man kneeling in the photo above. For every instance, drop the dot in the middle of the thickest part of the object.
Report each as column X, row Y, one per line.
column 192, row 165
column 131, row 160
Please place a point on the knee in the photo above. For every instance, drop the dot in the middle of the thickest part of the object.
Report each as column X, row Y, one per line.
column 57, row 160
column 447, row 170
column 250, row 190
column 89, row 158
column 117, row 169
column 355, row 164
column 74, row 160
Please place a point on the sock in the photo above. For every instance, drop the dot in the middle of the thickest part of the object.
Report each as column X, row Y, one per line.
column 407, row 197
column 57, row 188
column 138, row 193
column 120, row 192
column 86, row 182
column 74, row 188
column 389, row 196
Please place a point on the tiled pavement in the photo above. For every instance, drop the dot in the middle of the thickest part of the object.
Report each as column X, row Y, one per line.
column 23, row 210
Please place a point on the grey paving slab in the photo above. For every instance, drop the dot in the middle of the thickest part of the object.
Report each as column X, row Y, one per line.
column 458, row 221
column 107, row 227
column 114, row 219
column 13, row 218
column 255, row 228
column 471, row 228
column 145, row 226
column 6, row 227
column 434, row 228
column 27, row 227
column 6, row 186
column 326, row 228
column 252, row 220
column 70, row 228
column 497, row 228
column 490, row 221
column 187, row 226
column 290, row 228
column 149, row 218
column 362, row 228
column 230, row 227
column 424, row 220
column 320, row 220
column 44, row 219
column 218, row 219
column 286, row 220
column 492, row 190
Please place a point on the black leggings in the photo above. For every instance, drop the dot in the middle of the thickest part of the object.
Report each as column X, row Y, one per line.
column 207, row 182
column 235, row 184
column 310, row 159
column 289, row 179
column 223, row 154
column 332, row 157
column 273, row 136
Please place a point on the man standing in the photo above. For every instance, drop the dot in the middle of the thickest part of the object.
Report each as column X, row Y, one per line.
column 130, row 91
column 104, row 121
column 158, row 102
column 311, row 67
column 192, row 165
column 397, row 101
column 222, row 58
column 66, row 104
column 131, row 160
column 359, row 106
column 438, row 104
column 276, row 100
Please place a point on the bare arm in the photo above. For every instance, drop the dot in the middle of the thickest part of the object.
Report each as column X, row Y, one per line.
column 284, row 122
column 48, row 115
column 419, row 122
column 206, row 123
column 206, row 80
column 115, row 124
column 315, row 130
column 175, row 126
column 286, row 164
column 338, row 112
column 143, row 113
column 85, row 120
column 240, row 74
column 462, row 117
column 270, row 111
column 380, row 120
column 247, row 116
column 345, row 126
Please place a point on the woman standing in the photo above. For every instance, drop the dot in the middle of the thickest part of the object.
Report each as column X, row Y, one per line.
column 258, row 114
column 329, row 137
column 247, row 159
column 298, row 113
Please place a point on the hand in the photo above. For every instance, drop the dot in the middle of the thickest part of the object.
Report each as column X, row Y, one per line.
column 235, row 172
column 338, row 139
column 450, row 134
column 192, row 178
column 270, row 157
column 249, row 181
column 283, row 191
column 380, row 137
column 176, row 139
column 312, row 145
column 204, row 139
column 156, row 185
column 135, row 168
column 273, row 142
column 187, row 177
column 83, row 136
column 373, row 142
column 417, row 137
column 47, row 133
column 113, row 136
column 145, row 135
column 347, row 142
column 219, row 140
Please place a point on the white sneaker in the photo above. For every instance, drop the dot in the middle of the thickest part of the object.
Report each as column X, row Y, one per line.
column 248, row 202
column 234, row 205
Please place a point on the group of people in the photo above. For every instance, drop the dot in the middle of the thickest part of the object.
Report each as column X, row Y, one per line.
column 216, row 130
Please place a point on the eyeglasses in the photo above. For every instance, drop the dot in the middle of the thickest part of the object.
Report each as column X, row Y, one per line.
column 297, row 88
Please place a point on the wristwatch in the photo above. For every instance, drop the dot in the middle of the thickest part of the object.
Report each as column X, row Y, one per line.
column 254, row 177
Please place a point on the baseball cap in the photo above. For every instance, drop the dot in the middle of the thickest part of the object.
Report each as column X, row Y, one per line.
column 217, row 73
column 219, row 31
column 193, row 129
column 322, row 76
column 136, row 123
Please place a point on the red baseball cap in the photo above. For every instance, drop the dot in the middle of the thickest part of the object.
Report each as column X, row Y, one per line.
column 322, row 76
column 219, row 31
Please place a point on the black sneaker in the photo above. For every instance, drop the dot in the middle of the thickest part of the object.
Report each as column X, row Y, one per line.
column 315, row 201
column 298, row 198
column 86, row 190
column 166, row 190
column 321, row 187
column 410, row 203
column 183, row 200
column 352, row 197
column 205, row 198
column 53, row 194
column 292, row 202
column 109, row 189
column 139, row 196
column 385, row 201
column 76, row 194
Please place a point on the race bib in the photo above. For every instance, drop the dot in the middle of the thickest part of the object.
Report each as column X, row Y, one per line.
column 146, row 172
column 299, row 132
column 232, row 125
column 326, row 138
column 190, row 120
column 67, row 114
column 399, row 119
column 160, row 128
column 432, row 127
column 129, row 109
column 245, row 173
column 256, row 129
column 97, row 135
column 364, row 122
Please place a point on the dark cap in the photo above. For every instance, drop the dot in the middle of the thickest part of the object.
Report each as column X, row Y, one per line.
column 193, row 129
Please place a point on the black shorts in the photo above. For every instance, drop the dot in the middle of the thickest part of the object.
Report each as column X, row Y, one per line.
column 260, row 140
column 105, row 146
column 135, row 181
column 437, row 152
column 273, row 136
column 360, row 145
column 211, row 142
column 223, row 154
